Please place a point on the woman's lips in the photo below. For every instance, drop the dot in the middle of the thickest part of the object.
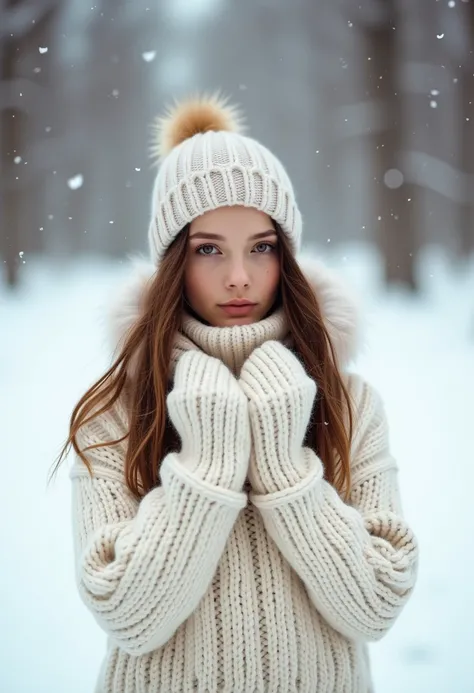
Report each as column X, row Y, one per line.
column 237, row 311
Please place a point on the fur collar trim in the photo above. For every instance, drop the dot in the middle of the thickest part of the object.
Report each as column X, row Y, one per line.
column 339, row 307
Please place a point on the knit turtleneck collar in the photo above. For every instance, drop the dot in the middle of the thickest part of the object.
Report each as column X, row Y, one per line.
column 234, row 344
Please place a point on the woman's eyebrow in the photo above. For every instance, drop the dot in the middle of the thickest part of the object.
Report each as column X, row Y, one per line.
column 262, row 234
column 216, row 237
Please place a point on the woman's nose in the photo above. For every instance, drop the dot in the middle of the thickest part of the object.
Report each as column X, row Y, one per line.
column 238, row 277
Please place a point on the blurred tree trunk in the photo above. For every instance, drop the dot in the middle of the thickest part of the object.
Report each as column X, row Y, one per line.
column 467, row 137
column 25, row 25
column 393, row 196
column 10, row 139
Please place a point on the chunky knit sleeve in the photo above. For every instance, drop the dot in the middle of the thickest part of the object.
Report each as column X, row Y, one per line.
column 358, row 560
column 143, row 566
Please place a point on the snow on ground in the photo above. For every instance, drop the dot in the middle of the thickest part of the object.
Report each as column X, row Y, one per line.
column 420, row 354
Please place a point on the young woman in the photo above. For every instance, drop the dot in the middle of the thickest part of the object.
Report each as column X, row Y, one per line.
column 237, row 518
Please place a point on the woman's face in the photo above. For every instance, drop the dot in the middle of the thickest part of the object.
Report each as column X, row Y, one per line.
column 232, row 254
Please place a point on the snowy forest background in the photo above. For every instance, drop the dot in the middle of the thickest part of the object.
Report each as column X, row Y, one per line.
column 369, row 105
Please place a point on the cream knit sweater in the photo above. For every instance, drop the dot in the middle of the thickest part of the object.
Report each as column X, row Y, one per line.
column 203, row 587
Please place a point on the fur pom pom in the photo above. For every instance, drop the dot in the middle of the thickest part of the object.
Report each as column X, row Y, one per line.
column 187, row 118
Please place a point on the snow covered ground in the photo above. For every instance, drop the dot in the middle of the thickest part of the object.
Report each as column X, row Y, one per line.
column 420, row 354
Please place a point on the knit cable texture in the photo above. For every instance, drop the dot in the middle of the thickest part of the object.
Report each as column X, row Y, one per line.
column 216, row 169
column 209, row 412
column 305, row 516
column 281, row 398
column 178, row 531
column 199, row 590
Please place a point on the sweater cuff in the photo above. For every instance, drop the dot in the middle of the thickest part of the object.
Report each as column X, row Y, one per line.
column 171, row 466
column 288, row 495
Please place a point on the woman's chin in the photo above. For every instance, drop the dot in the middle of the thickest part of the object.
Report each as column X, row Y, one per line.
column 232, row 320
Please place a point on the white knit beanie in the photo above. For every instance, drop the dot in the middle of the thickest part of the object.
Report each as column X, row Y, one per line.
column 206, row 163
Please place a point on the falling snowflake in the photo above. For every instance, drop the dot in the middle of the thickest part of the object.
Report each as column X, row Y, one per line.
column 393, row 178
column 433, row 103
column 148, row 56
column 42, row 50
column 439, row 36
column 76, row 182
column 17, row 160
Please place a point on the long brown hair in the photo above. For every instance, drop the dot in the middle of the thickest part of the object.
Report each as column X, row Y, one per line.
column 148, row 347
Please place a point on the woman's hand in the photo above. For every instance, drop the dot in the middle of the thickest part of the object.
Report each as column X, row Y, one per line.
column 280, row 396
column 210, row 413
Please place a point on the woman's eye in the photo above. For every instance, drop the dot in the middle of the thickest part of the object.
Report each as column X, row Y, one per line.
column 207, row 245
column 270, row 245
